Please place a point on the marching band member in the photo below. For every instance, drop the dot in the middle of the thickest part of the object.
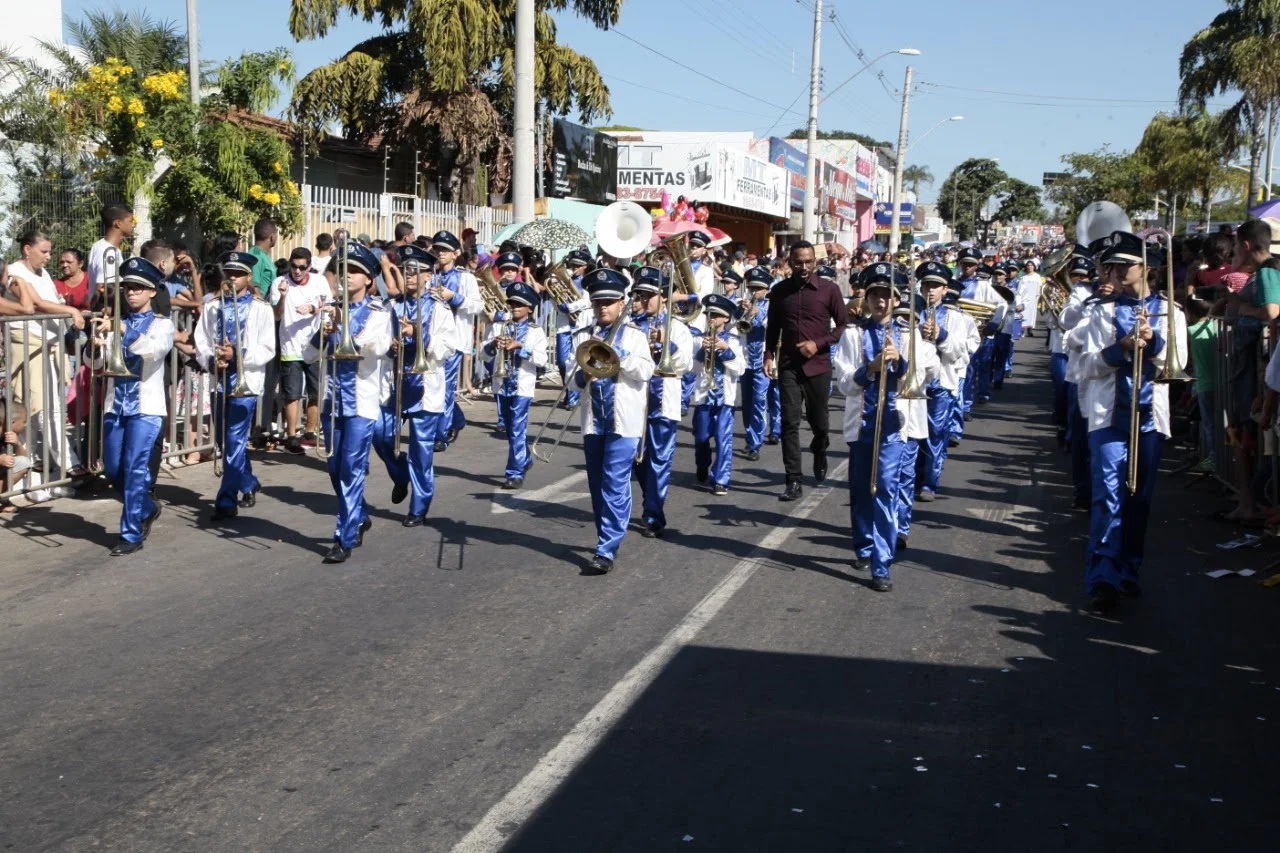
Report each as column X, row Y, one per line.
column 578, row 262
column 977, row 381
column 1079, row 271
column 613, row 419
column 456, row 288
column 421, row 394
column 717, row 367
column 134, row 406
column 1083, row 296
column 218, row 344
column 955, row 337
column 1002, row 353
column 356, row 387
column 867, row 350
column 705, row 277
column 731, row 284
column 1020, row 312
column 525, row 351
column 1111, row 333
column 773, row 425
column 915, row 412
column 951, row 298
column 508, row 266
column 755, row 383
column 663, row 424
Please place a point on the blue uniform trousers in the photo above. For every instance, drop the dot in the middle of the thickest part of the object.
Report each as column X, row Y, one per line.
column 237, row 474
column 126, row 457
column 1017, row 336
column 609, row 462
column 348, row 468
column 982, row 363
column 1058, row 374
column 1001, row 355
column 1078, row 438
column 654, row 471
column 713, row 422
column 907, row 485
column 1118, row 520
column 775, row 410
column 875, row 519
column 453, row 418
column 564, row 361
column 933, row 450
column 687, row 382
column 515, row 414
column 958, row 409
column 417, row 466
column 755, row 406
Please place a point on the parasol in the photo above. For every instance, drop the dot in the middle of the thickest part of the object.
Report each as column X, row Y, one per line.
column 551, row 234
column 873, row 246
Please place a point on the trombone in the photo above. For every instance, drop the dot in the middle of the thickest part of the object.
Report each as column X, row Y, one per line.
column 422, row 360
column 881, row 398
column 598, row 359
column 346, row 347
column 666, row 366
column 1172, row 370
column 913, row 385
column 114, row 365
column 227, row 299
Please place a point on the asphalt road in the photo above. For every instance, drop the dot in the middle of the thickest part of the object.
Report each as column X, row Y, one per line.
column 466, row 685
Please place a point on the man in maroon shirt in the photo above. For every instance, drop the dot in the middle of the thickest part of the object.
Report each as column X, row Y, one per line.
column 807, row 316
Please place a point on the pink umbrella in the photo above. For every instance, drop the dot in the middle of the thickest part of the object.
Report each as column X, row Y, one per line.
column 718, row 237
column 666, row 228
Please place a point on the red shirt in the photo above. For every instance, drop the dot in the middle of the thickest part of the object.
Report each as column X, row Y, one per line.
column 77, row 296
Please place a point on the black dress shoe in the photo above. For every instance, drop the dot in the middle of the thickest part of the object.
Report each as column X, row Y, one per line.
column 752, row 455
column 122, row 547
column 793, row 492
column 249, row 499
column 1103, row 597
column 702, row 475
column 861, row 564
column 441, row 446
column 293, row 444
column 399, row 492
column 148, row 521
column 819, row 467
column 512, row 483
column 953, row 443
column 1130, row 589
column 650, row 531
column 337, row 554
column 603, row 565
column 451, row 436
column 414, row 520
column 719, row 490
column 902, row 543
column 881, row 584
column 362, row 530
column 221, row 512
column 772, row 440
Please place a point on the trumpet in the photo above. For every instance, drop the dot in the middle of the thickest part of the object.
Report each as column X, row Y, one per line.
column 501, row 368
column 227, row 300
column 598, row 359
column 345, row 350
column 749, row 311
column 709, row 355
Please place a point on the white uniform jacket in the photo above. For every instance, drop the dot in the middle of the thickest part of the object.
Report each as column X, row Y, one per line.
column 1072, row 313
column 915, row 423
column 623, row 410
column 259, row 338
column 1100, row 363
column 372, row 380
column 681, row 363
column 442, row 342
column 726, row 374
column 151, row 346
column 957, row 346
column 524, row 362
column 853, row 381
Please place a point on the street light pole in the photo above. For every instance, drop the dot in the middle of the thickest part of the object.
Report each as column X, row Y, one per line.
column 895, row 227
column 522, row 165
column 808, row 226
column 193, row 51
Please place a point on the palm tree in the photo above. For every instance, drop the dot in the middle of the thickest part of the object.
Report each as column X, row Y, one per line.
column 914, row 176
column 439, row 78
column 1238, row 51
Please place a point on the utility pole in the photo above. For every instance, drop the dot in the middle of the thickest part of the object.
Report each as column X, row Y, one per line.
column 895, row 232
column 809, row 228
column 542, row 151
column 193, row 51
column 522, row 167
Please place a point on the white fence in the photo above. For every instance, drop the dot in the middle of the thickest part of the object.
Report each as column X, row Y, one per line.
column 376, row 214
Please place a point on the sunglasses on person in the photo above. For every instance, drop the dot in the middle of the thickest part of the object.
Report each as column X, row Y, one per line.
column 299, row 267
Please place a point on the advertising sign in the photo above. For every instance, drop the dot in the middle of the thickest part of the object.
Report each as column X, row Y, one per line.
column 584, row 164
column 793, row 160
column 701, row 172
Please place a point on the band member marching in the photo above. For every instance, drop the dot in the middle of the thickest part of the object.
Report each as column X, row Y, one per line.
column 913, row 403
column 613, row 415
column 1124, row 343
column 977, row 380
column 871, row 361
column 420, row 394
column 518, row 349
column 1002, row 353
column 755, row 384
column 508, row 266
column 578, row 263
column 1084, row 293
column 705, row 277
column 456, row 288
column 654, row 470
column 134, row 408
column 717, row 367
column 355, row 389
column 236, row 332
column 955, row 337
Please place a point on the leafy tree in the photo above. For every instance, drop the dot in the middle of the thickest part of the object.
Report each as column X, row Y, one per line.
column 1239, row 51
column 867, row 141
column 914, row 176
column 440, row 78
column 964, row 192
column 1021, row 202
column 1102, row 175
column 1184, row 156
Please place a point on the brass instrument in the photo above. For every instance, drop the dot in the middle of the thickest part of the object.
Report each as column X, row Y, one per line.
column 346, row 348
column 709, row 355
column 855, row 307
column 677, row 247
column 1171, row 370
column 598, row 359
column 913, row 385
column 562, row 289
column 881, row 397
column 422, row 361
column 501, row 369
column 666, row 366
column 981, row 312
column 1135, row 423
column 114, row 364
column 495, row 298
column 749, row 311
column 1056, row 289
column 227, row 299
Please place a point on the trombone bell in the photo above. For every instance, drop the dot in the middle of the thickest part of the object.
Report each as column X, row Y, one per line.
column 597, row 359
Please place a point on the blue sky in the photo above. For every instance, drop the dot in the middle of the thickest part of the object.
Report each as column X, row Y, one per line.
column 1061, row 78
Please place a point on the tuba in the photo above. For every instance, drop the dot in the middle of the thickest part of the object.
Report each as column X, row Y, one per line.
column 1056, row 289
column 562, row 289
column 495, row 298
column 624, row 230
column 678, row 248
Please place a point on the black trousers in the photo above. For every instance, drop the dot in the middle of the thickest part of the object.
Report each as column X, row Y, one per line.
column 800, row 393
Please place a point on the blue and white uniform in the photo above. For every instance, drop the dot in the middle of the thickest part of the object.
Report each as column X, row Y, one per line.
column 1073, row 313
column 957, row 341
column 704, row 277
column 566, row 327
column 755, row 383
column 915, row 423
column 663, row 425
column 715, row 394
column 515, row 390
column 977, row 380
column 466, row 305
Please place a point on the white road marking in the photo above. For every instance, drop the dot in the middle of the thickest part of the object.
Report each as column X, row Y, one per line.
column 557, row 492
column 1006, row 514
column 506, row 817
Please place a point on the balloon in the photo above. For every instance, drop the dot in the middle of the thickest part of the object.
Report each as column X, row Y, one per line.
column 666, row 201
column 701, row 214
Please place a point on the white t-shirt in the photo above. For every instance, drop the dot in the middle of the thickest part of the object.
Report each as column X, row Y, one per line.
column 296, row 328
column 42, row 284
column 320, row 265
column 97, row 269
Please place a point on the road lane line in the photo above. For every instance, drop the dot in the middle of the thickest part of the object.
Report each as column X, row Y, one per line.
column 508, row 815
column 504, row 501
